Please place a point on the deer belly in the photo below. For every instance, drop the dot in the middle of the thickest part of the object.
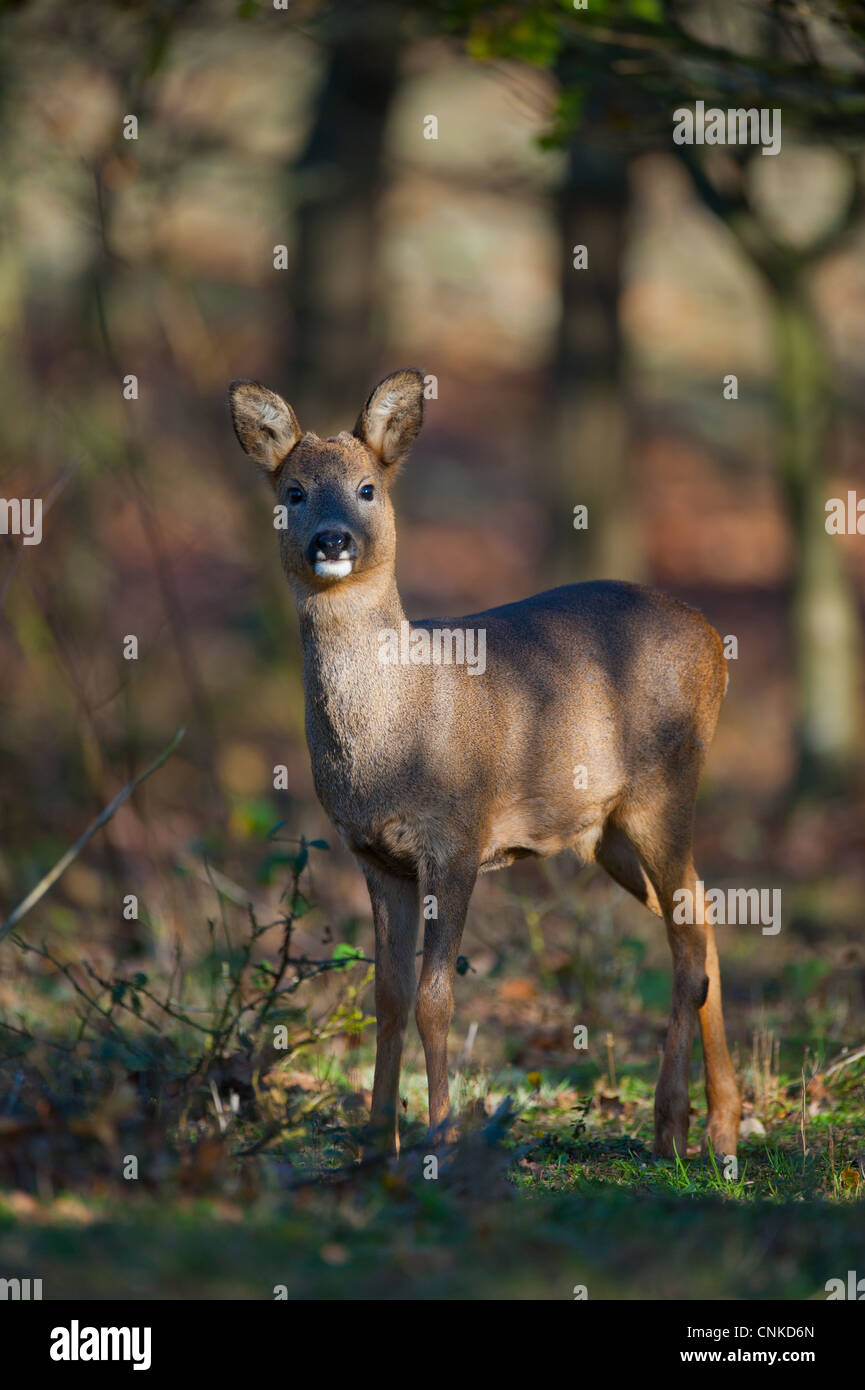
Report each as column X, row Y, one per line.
column 532, row 828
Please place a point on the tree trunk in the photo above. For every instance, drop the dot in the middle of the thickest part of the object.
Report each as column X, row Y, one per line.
column 335, row 189
column 590, row 416
column 824, row 609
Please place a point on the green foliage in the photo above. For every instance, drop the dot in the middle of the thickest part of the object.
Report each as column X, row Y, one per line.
column 637, row 56
column 347, row 954
column 566, row 119
column 531, row 37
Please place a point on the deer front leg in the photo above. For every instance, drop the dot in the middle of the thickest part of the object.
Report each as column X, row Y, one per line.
column 450, row 892
column 722, row 1093
column 395, row 915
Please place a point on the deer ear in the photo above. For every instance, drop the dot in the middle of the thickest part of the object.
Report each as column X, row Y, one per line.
column 264, row 423
column 393, row 414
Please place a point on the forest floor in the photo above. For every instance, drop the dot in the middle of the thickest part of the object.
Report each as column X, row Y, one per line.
column 160, row 1137
column 553, row 1203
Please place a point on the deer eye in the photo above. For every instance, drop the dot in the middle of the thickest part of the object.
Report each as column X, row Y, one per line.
column 367, row 492
column 295, row 496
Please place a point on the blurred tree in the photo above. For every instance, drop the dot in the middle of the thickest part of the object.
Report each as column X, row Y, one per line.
column 589, row 382
column 335, row 188
column 651, row 56
column 824, row 608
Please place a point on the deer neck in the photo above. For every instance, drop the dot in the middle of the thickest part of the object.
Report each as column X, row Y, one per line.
column 355, row 704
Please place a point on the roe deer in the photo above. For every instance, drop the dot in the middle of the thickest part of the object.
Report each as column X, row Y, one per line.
column 435, row 772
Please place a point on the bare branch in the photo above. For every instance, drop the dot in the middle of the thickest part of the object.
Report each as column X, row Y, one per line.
column 34, row 896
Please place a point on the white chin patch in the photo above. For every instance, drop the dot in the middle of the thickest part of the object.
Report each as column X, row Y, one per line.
column 333, row 569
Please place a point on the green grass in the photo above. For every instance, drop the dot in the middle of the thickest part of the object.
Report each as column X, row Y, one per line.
column 565, row 1195
column 248, row 1173
column 619, row 1241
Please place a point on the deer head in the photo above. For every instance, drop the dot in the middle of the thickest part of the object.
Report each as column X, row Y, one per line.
column 337, row 522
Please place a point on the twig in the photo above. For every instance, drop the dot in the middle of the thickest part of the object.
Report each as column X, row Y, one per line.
column 63, row 863
column 803, row 1118
column 222, row 886
column 117, row 1001
column 65, row 970
column 32, row 1037
column 467, row 1048
column 224, row 1121
column 847, row 1061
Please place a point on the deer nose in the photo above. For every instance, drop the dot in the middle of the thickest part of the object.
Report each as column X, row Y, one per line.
column 332, row 545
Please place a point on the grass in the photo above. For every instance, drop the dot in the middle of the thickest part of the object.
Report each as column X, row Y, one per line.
column 560, row 1197
column 391, row 1245
column 157, row 1142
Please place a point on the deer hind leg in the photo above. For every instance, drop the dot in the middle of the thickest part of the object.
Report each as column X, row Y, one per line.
column 617, row 855
column 663, row 852
column 690, row 988
column 395, row 916
column 637, row 862
column 451, row 891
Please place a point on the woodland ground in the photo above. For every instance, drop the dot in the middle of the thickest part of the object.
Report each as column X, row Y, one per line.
column 248, row 1177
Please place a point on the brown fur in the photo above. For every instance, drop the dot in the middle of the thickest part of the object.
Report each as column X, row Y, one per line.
column 433, row 775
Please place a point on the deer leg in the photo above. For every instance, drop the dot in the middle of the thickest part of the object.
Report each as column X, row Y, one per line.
column 659, row 832
column 696, row 975
column 722, row 1093
column 696, row 993
column 690, row 985
column 665, row 855
column 395, row 915
column 434, row 1005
